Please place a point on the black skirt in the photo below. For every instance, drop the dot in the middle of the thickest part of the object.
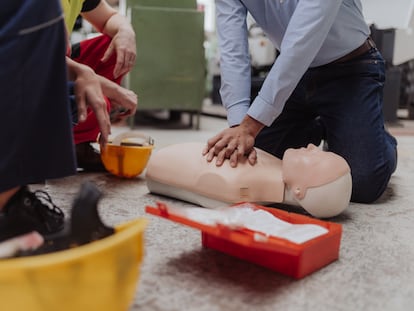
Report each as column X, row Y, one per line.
column 36, row 141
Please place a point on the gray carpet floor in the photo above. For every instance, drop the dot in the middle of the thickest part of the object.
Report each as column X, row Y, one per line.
column 375, row 270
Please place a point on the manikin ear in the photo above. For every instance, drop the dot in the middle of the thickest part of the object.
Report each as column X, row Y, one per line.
column 328, row 200
column 298, row 193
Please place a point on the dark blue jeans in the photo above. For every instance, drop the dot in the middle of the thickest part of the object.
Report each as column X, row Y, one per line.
column 341, row 103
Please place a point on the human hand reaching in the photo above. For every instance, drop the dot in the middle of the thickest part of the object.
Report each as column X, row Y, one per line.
column 234, row 143
column 109, row 21
column 123, row 44
column 88, row 93
column 124, row 103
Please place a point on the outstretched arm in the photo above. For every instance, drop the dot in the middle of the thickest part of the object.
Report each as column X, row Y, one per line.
column 88, row 92
column 110, row 22
column 302, row 39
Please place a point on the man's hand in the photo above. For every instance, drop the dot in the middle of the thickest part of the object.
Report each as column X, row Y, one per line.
column 109, row 21
column 123, row 104
column 123, row 44
column 88, row 92
column 120, row 97
column 234, row 143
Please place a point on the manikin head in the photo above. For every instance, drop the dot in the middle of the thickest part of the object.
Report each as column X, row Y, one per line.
column 309, row 177
column 317, row 180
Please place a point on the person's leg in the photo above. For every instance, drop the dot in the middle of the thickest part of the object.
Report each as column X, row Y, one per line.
column 35, row 117
column 349, row 99
column 297, row 126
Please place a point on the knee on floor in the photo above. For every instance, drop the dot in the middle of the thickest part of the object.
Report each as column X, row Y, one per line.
column 369, row 187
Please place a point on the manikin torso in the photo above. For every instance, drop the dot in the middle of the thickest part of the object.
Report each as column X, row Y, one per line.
column 306, row 177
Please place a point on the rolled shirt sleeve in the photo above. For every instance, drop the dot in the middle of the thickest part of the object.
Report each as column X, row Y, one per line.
column 234, row 59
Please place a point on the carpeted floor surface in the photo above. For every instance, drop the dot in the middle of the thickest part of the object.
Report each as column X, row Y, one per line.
column 375, row 270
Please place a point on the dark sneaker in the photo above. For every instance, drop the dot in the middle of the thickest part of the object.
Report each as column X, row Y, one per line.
column 30, row 211
column 85, row 224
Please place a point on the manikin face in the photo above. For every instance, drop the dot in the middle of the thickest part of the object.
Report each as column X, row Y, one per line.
column 310, row 167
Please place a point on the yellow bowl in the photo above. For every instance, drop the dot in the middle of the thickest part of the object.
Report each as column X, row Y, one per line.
column 101, row 275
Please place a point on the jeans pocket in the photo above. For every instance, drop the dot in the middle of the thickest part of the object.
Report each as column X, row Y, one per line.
column 370, row 66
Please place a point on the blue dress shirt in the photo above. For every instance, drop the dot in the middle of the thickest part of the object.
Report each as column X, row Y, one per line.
column 308, row 33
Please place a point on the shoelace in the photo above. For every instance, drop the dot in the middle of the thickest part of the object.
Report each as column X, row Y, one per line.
column 47, row 209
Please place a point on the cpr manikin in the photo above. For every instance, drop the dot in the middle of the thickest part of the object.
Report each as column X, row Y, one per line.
column 318, row 181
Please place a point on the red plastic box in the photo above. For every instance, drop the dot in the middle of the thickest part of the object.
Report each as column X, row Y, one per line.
column 279, row 254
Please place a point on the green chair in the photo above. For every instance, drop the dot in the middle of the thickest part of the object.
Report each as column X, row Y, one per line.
column 170, row 68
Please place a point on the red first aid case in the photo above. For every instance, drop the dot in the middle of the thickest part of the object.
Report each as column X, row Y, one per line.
column 279, row 254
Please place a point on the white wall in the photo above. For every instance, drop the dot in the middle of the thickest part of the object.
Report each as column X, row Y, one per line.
column 397, row 14
column 388, row 13
column 209, row 14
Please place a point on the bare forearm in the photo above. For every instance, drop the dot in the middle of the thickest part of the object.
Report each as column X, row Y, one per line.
column 110, row 22
column 118, row 23
column 107, row 20
column 76, row 69
column 108, row 87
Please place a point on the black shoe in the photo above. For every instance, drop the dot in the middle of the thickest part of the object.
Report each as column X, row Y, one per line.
column 89, row 159
column 30, row 211
column 85, row 225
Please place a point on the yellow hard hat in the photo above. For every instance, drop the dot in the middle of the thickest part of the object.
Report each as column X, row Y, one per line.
column 125, row 156
column 101, row 275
